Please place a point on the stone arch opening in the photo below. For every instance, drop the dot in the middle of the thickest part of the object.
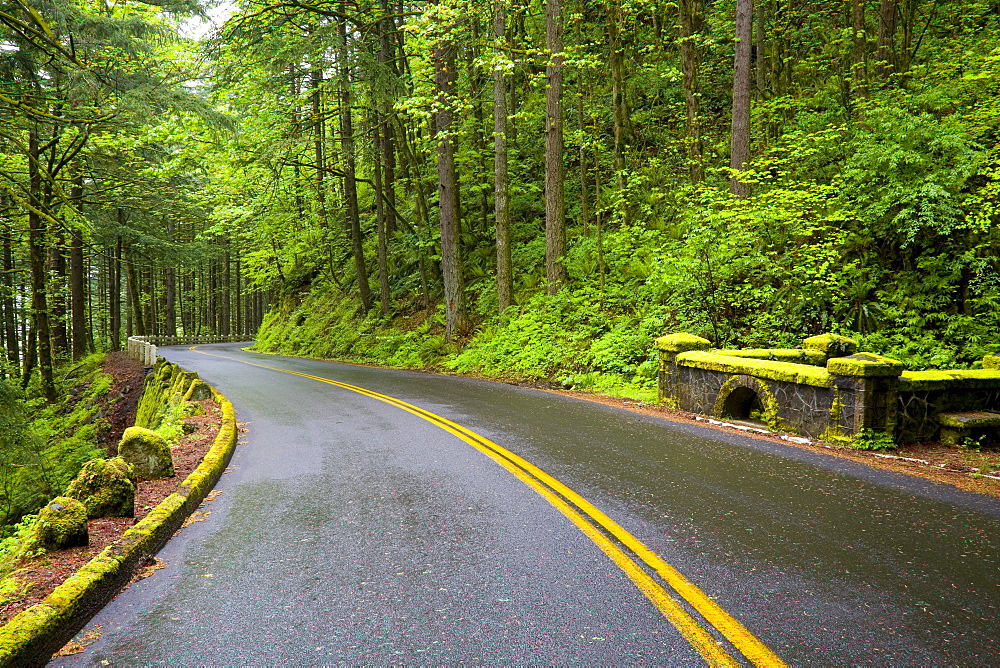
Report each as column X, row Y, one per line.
column 743, row 403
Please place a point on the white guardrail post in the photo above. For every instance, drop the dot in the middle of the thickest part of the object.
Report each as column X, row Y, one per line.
column 139, row 348
column 143, row 348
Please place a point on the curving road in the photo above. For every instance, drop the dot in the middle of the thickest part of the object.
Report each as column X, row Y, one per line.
column 369, row 520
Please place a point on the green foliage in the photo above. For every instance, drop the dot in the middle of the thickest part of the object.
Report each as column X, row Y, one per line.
column 43, row 446
column 869, row 439
column 172, row 423
column 13, row 546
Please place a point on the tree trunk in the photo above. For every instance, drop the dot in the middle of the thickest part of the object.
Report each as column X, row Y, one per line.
column 153, row 308
column 740, row 151
column 36, row 258
column 860, row 75
column 616, row 63
column 386, row 57
column 381, row 226
column 58, row 282
column 884, row 65
column 445, row 77
column 188, row 300
column 170, row 290
column 907, row 49
column 115, row 296
column 501, row 203
column 225, row 328
column 77, row 285
column 416, row 185
column 760, row 63
column 350, row 170
column 135, row 300
column 240, row 320
column 692, row 19
column 555, row 204
column 584, row 163
column 9, row 313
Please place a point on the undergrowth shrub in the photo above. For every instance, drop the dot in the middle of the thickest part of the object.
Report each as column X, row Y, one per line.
column 43, row 446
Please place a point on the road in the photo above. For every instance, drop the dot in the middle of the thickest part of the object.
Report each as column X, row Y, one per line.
column 354, row 528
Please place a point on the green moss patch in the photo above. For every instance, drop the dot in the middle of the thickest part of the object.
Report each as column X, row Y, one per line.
column 769, row 369
column 682, row 342
column 964, row 379
column 61, row 523
column 148, row 452
column 795, row 355
column 864, row 365
column 106, row 487
column 831, row 345
column 35, row 634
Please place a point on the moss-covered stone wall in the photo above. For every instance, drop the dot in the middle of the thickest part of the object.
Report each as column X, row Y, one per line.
column 31, row 637
column 824, row 390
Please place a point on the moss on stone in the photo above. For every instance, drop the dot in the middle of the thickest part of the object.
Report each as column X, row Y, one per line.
column 783, row 371
column 768, row 402
column 831, row 345
column 969, row 420
column 965, row 379
column 682, row 342
column 864, row 365
column 198, row 390
column 106, row 488
column 42, row 629
column 61, row 523
column 192, row 409
column 148, row 452
column 836, row 436
column 796, row 355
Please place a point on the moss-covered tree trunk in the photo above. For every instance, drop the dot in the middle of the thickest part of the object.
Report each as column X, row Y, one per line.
column 501, row 201
column 445, row 78
column 133, row 287
column 692, row 18
column 350, row 166
column 740, row 139
column 37, row 226
column 11, row 338
column 555, row 204
column 77, row 285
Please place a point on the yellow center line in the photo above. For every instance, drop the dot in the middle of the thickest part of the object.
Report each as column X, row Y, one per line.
column 585, row 516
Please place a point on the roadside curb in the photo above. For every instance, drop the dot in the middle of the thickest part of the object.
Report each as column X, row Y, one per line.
column 34, row 635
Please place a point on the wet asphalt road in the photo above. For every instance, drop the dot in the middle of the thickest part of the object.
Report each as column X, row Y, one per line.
column 350, row 531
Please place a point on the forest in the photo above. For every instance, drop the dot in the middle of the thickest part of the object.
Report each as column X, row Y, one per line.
column 523, row 189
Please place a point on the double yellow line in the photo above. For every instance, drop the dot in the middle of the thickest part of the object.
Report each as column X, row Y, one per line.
column 624, row 549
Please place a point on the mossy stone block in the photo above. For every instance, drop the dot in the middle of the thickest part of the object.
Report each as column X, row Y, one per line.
column 789, row 372
column 106, row 487
column 60, row 524
column 682, row 342
column 950, row 379
column 864, row 365
column 148, row 452
column 831, row 345
column 198, row 391
column 794, row 355
column 991, row 362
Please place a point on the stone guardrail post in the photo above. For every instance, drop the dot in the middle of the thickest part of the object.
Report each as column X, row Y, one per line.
column 670, row 346
column 868, row 386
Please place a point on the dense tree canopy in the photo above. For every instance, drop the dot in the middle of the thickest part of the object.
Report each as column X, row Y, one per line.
column 545, row 184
